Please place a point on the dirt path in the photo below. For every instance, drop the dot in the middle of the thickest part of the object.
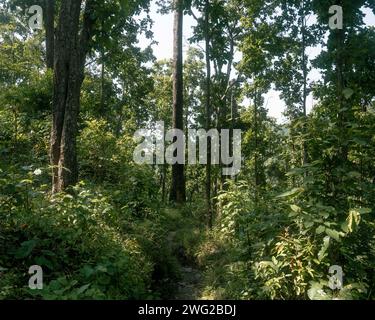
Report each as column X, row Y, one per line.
column 190, row 285
column 189, row 288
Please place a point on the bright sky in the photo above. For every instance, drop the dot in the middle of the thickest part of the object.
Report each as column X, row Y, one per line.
column 163, row 34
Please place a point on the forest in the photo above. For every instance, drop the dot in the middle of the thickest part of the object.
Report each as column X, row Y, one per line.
column 127, row 177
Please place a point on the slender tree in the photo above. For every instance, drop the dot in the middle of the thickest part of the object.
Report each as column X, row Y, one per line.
column 178, row 188
column 208, row 108
column 50, row 31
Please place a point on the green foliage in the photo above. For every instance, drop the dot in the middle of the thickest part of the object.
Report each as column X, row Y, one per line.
column 304, row 200
column 77, row 240
column 290, row 243
column 109, row 161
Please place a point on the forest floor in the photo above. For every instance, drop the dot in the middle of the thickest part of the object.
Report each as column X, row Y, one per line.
column 190, row 284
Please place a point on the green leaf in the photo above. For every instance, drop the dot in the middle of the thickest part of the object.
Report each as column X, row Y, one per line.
column 295, row 208
column 346, row 227
column 101, row 268
column 83, row 288
column 320, row 229
column 291, row 193
column 360, row 142
column 308, row 224
column 333, row 234
column 25, row 249
column 354, row 175
column 274, row 261
column 363, row 210
column 354, row 218
column 43, row 261
column 324, row 214
column 25, row 181
column 316, row 292
column 87, row 271
column 323, row 250
column 348, row 92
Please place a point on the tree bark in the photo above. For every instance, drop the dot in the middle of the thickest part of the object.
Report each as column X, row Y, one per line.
column 102, row 76
column 50, row 32
column 208, row 112
column 304, row 70
column 71, row 47
column 256, row 153
column 178, row 188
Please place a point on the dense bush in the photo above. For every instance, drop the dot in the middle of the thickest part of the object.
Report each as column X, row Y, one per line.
column 87, row 247
column 108, row 160
column 75, row 239
column 283, row 249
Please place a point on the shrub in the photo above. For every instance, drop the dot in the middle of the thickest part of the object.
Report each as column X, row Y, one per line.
column 75, row 239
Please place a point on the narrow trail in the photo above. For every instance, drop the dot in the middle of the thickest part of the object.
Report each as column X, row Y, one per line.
column 190, row 285
column 189, row 288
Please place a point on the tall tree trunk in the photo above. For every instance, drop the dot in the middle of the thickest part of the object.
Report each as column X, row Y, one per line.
column 163, row 183
column 304, row 70
column 256, row 153
column 342, row 113
column 227, row 100
column 102, row 86
column 71, row 47
column 50, row 32
column 208, row 112
column 102, row 76
column 178, row 188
